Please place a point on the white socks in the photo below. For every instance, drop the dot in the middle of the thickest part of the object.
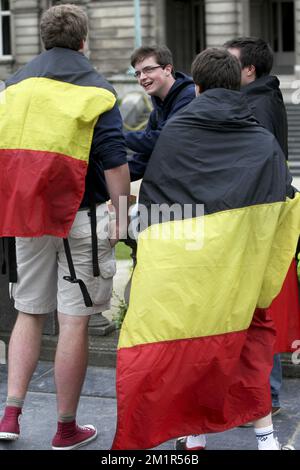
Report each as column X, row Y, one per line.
column 197, row 440
column 265, row 438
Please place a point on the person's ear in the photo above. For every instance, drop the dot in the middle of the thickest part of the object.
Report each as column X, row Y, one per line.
column 168, row 69
column 82, row 44
column 251, row 72
column 198, row 89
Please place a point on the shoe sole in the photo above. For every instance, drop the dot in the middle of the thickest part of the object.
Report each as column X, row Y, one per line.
column 275, row 413
column 8, row 436
column 192, row 449
column 80, row 444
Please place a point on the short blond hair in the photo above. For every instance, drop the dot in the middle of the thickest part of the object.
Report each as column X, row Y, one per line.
column 64, row 26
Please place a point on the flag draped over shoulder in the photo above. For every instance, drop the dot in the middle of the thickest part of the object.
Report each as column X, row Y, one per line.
column 47, row 116
column 195, row 350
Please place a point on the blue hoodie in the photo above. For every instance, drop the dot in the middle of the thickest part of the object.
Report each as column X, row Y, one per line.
column 180, row 94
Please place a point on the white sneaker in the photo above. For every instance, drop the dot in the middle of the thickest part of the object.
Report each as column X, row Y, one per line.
column 285, row 446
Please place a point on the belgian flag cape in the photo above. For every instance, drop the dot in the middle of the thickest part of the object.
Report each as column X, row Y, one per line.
column 48, row 112
column 196, row 347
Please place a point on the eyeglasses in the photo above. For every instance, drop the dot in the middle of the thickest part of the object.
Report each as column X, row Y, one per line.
column 147, row 70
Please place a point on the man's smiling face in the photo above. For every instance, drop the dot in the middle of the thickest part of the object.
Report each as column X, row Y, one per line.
column 155, row 79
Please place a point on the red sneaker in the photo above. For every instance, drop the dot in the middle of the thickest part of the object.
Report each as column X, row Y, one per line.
column 70, row 435
column 10, row 423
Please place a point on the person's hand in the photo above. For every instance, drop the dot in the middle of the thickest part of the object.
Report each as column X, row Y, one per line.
column 113, row 242
column 113, row 229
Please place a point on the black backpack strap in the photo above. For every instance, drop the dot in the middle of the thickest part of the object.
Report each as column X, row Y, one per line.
column 3, row 266
column 93, row 215
column 12, row 259
column 9, row 252
column 72, row 278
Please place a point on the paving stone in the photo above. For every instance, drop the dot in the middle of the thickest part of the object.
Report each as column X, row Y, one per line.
column 98, row 407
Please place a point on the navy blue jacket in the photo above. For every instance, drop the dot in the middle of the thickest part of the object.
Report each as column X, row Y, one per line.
column 181, row 93
column 107, row 151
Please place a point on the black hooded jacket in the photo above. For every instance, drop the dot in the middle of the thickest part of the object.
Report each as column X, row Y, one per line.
column 214, row 152
column 266, row 103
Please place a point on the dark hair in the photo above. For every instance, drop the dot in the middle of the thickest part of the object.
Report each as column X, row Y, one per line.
column 64, row 26
column 216, row 68
column 253, row 51
column 162, row 54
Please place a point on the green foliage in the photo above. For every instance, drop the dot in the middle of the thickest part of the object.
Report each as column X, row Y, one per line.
column 119, row 315
column 122, row 251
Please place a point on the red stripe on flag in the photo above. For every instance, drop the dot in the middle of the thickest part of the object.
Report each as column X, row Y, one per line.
column 193, row 386
column 40, row 192
column 285, row 311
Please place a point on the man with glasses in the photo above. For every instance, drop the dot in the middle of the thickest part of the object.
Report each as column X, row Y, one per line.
column 195, row 354
column 170, row 91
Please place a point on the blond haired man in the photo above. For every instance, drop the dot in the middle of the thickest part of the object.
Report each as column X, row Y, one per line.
column 71, row 160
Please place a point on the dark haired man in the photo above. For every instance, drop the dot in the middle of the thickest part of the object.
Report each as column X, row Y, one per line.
column 266, row 102
column 260, row 88
column 63, row 153
column 170, row 91
column 196, row 349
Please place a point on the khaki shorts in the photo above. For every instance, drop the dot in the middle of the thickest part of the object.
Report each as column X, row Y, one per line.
column 42, row 264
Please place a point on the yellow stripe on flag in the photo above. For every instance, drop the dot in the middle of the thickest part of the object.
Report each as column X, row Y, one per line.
column 182, row 290
column 50, row 115
column 283, row 250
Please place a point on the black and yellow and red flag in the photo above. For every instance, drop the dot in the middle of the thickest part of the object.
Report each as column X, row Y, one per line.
column 48, row 111
column 196, row 347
